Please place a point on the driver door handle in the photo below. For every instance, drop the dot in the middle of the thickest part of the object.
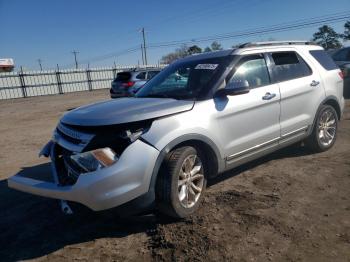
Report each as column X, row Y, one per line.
column 314, row 83
column 268, row 96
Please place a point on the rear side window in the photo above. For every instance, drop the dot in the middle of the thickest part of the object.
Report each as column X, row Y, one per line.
column 141, row 75
column 324, row 59
column 289, row 65
column 151, row 74
column 123, row 76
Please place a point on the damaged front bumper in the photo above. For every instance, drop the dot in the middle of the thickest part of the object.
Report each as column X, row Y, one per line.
column 102, row 189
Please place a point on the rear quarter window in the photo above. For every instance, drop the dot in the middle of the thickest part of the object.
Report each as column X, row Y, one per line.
column 324, row 59
column 288, row 66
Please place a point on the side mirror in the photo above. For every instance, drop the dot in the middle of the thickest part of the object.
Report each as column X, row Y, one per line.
column 234, row 88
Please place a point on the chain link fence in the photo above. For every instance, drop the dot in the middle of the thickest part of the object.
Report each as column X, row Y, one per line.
column 38, row 83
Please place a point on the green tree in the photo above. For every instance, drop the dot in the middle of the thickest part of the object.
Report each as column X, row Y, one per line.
column 327, row 38
column 346, row 35
column 216, row 46
column 207, row 49
column 179, row 53
column 236, row 45
column 194, row 50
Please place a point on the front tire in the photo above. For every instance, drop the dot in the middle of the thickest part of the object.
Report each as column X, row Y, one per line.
column 324, row 132
column 181, row 182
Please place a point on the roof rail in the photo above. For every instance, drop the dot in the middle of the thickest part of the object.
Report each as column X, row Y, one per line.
column 272, row 43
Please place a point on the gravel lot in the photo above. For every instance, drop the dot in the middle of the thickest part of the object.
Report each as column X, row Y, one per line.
column 289, row 206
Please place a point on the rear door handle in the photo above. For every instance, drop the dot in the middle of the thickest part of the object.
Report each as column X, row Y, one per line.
column 268, row 96
column 314, row 83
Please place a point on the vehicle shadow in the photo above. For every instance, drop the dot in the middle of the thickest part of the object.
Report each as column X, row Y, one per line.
column 292, row 151
column 33, row 227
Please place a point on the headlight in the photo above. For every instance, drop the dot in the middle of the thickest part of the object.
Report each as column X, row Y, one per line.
column 95, row 159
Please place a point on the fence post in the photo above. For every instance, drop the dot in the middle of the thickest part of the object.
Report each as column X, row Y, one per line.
column 89, row 79
column 23, row 83
column 59, row 82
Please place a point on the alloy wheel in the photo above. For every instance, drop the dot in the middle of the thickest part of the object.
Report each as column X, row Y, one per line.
column 191, row 181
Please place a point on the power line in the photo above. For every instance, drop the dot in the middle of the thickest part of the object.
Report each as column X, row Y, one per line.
column 281, row 27
column 194, row 13
column 270, row 29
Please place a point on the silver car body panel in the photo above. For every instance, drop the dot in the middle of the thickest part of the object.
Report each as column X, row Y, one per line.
column 124, row 110
column 105, row 188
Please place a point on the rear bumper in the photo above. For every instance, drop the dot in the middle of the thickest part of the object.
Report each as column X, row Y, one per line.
column 107, row 188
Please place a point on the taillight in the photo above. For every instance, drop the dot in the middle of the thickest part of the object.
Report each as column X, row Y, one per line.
column 341, row 74
column 128, row 84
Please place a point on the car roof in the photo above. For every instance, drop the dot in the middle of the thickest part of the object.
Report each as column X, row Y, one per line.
column 255, row 46
column 137, row 70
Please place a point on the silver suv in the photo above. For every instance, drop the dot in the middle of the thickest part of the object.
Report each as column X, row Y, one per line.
column 199, row 117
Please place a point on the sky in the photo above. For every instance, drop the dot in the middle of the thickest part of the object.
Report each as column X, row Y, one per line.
column 101, row 31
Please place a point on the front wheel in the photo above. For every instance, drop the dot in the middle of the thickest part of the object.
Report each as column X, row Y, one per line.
column 181, row 182
column 324, row 133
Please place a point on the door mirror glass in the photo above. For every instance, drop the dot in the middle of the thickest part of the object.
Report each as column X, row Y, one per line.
column 237, row 84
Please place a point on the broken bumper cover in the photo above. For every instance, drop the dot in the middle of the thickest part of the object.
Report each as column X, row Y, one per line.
column 106, row 188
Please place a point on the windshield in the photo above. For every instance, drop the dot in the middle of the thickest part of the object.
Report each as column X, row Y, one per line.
column 185, row 80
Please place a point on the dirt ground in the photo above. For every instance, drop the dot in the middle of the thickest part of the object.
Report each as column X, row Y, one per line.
column 289, row 206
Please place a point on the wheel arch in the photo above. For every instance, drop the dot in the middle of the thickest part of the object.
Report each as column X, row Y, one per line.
column 198, row 141
column 331, row 101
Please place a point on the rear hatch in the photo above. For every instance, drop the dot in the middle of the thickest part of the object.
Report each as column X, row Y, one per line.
column 122, row 82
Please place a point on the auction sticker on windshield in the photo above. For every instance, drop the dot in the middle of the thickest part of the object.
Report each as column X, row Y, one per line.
column 206, row 66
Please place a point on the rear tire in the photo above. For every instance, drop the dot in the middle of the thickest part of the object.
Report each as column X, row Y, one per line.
column 181, row 182
column 324, row 132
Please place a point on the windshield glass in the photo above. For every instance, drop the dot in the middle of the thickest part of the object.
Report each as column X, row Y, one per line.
column 185, row 80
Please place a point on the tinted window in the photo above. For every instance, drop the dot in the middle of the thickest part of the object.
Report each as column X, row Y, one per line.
column 141, row 75
column 151, row 74
column 324, row 59
column 123, row 76
column 288, row 65
column 252, row 69
column 342, row 55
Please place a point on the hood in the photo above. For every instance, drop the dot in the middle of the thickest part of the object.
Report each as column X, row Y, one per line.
column 124, row 110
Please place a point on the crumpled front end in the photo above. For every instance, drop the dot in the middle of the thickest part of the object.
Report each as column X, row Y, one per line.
column 100, row 168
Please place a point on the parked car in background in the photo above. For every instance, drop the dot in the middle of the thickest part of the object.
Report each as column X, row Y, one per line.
column 342, row 59
column 129, row 82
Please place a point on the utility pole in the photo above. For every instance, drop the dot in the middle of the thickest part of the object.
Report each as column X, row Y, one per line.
column 75, row 58
column 143, row 60
column 144, row 43
column 40, row 65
